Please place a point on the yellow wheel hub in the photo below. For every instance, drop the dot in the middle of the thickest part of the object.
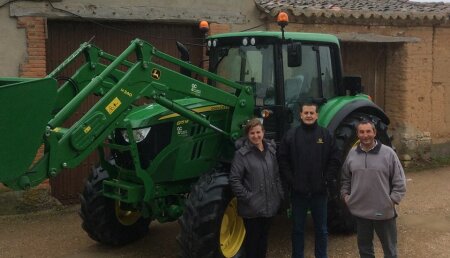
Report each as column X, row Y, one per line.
column 232, row 230
column 126, row 217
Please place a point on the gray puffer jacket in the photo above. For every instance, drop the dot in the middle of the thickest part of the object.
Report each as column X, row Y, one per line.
column 255, row 179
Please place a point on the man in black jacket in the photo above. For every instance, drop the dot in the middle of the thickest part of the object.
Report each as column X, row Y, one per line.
column 309, row 160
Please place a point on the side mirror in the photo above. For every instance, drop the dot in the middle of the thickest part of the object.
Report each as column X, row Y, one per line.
column 184, row 52
column 294, row 54
column 353, row 84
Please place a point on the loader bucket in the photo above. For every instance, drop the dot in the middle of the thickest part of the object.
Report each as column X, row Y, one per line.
column 25, row 109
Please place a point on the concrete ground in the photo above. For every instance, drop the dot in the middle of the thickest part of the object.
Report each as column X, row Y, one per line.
column 33, row 225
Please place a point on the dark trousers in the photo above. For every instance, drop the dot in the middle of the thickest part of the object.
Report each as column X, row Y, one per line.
column 257, row 231
column 301, row 203
column 386, row 231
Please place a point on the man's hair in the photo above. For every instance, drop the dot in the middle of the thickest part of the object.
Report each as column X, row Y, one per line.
column 364, row 122
column 253, row 123
column 300, row 107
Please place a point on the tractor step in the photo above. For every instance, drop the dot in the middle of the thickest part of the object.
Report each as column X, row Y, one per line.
column 123, row 191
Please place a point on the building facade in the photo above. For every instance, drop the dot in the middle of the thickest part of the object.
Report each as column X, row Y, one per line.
column 400, row 49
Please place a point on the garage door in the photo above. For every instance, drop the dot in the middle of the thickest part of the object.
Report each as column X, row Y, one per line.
column 113, row 37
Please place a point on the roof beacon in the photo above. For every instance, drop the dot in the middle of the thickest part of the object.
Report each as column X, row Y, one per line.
column 282, row 20
column 204, row 26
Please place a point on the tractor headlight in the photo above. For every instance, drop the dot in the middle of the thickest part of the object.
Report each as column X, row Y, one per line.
column 138, row 134
column 245, row 41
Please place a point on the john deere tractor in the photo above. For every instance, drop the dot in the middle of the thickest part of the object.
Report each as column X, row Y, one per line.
column 169, row 159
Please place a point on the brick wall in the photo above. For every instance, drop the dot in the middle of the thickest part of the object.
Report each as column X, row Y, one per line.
column 34, row 65
column 216, row 28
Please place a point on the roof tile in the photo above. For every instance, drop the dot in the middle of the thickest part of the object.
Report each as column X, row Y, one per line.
column 383, row 9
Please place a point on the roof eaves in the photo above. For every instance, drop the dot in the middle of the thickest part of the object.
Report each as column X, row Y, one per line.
column 272, row 8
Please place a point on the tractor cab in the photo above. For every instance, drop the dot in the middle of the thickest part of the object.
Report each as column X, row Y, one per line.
column 283, row 69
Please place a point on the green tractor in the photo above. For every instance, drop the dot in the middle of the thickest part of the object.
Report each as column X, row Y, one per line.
column 168, row 160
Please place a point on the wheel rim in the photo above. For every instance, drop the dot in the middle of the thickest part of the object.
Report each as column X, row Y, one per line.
column 232, row 230
column 126, row 217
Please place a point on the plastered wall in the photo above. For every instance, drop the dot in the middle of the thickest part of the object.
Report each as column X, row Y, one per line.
column 12, row 45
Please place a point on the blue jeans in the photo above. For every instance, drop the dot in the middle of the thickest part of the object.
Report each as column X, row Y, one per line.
column 318, row 206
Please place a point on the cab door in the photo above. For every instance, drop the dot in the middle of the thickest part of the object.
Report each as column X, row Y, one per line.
column 268, row 101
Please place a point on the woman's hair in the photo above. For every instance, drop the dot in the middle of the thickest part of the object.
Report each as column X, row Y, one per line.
column 252, row 123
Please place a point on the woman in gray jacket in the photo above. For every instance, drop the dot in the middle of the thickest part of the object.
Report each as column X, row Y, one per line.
column 255, row 181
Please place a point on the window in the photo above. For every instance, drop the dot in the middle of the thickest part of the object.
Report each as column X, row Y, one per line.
column 251, row 66
column 301, row 83
column 326, row 69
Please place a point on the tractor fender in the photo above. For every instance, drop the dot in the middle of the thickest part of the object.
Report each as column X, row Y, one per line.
column 358, row 105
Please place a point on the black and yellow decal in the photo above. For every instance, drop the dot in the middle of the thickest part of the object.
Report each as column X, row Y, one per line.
column 113, row 105
column 156, row 74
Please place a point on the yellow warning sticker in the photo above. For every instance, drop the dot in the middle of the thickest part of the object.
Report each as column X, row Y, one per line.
column 87, row 129
column 115, row 103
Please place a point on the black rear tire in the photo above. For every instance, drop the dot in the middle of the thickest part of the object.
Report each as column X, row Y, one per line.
column 339, row 218
column 201, row 222
column 99, row 215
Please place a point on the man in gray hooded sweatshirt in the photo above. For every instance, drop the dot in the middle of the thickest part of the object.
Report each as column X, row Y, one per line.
column 373, row 182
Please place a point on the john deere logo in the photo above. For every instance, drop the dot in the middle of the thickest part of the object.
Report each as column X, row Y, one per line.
column 156, row 73
column 319, row 140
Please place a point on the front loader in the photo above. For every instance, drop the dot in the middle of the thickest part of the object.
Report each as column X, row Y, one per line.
column 165, row 138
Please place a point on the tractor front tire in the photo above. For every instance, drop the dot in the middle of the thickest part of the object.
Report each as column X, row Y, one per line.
column 102, row 217
column 340, row 219
column 210, row 226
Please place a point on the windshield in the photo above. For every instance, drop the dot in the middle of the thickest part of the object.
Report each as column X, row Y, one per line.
column 252, row 66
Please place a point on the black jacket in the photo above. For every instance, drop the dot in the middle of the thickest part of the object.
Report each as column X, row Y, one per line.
column 255, row 180
column 309, row 159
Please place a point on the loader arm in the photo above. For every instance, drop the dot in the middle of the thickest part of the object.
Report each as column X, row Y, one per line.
column 68, row 147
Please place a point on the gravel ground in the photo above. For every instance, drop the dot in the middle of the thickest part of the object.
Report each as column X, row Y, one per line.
column 423, row 225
